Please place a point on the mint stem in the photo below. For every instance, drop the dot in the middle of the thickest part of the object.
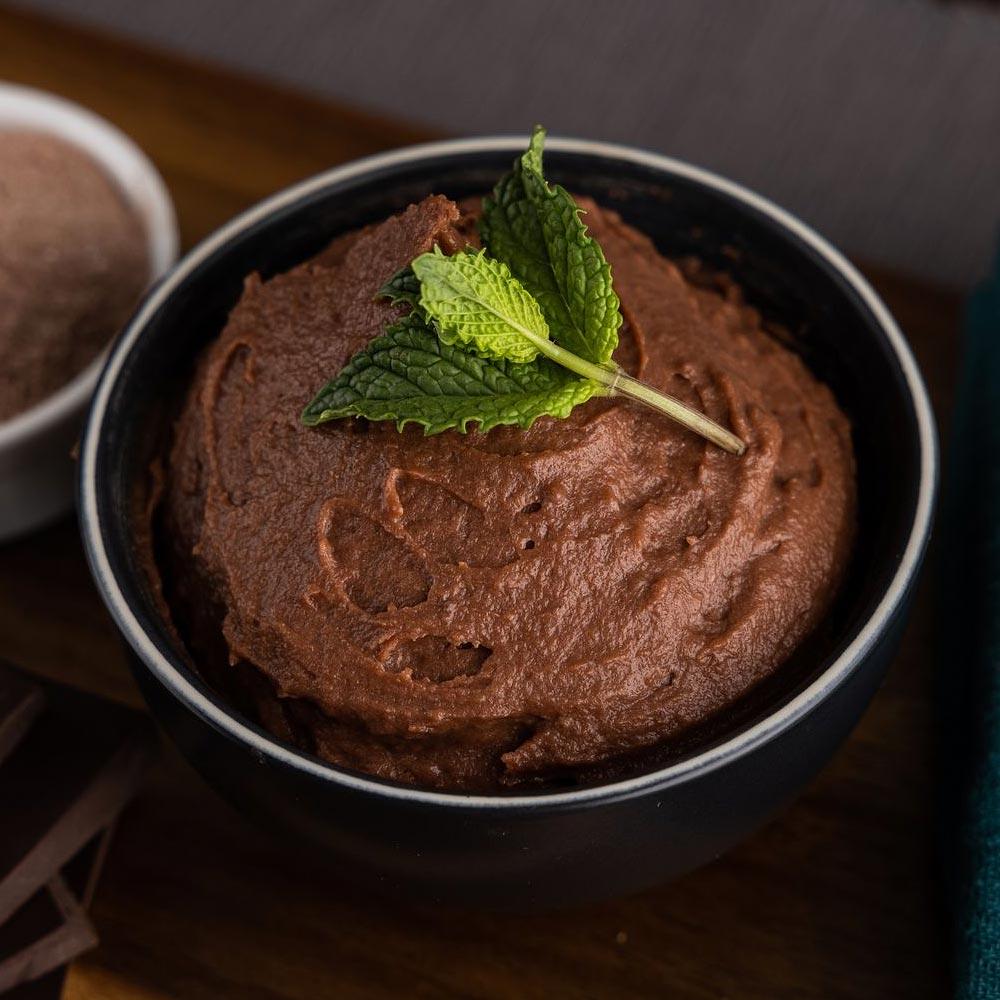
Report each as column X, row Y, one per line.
column 692, row 419
column 619, row 383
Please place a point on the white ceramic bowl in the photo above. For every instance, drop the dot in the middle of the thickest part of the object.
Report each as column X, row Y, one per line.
column 36, row 469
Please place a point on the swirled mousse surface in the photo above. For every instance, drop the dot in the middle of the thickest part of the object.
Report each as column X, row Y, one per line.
column 73, row 262
column 484, row 611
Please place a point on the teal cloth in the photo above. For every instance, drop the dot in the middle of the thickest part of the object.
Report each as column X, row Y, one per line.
column 970, row 653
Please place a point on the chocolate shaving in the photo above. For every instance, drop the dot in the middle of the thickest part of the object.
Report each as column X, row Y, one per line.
column 69, row 762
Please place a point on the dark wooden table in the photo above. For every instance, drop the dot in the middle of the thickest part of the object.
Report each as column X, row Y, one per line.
column 835, row 898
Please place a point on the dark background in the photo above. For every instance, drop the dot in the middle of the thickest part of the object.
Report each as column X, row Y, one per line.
column 877, row 121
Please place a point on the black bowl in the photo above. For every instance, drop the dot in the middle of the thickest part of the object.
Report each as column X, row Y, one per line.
column 559, row 846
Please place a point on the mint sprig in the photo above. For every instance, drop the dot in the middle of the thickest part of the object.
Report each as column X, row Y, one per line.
column 408, row 375
column 501, row 339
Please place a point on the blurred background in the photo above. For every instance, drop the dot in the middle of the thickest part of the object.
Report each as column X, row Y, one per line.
column 877, row 121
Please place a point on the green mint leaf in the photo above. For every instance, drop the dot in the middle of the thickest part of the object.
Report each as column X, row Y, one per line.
column 536, row 229
column 408, row 375
column 403, row 286
column 476, row 302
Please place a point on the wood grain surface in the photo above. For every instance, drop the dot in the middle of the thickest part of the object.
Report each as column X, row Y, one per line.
column 835, row 898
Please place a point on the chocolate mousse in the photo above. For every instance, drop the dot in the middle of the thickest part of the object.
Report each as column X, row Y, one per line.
column 73, row 262
column 495, row 611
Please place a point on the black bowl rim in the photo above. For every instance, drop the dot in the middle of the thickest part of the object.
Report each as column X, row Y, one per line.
column 170, row 673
